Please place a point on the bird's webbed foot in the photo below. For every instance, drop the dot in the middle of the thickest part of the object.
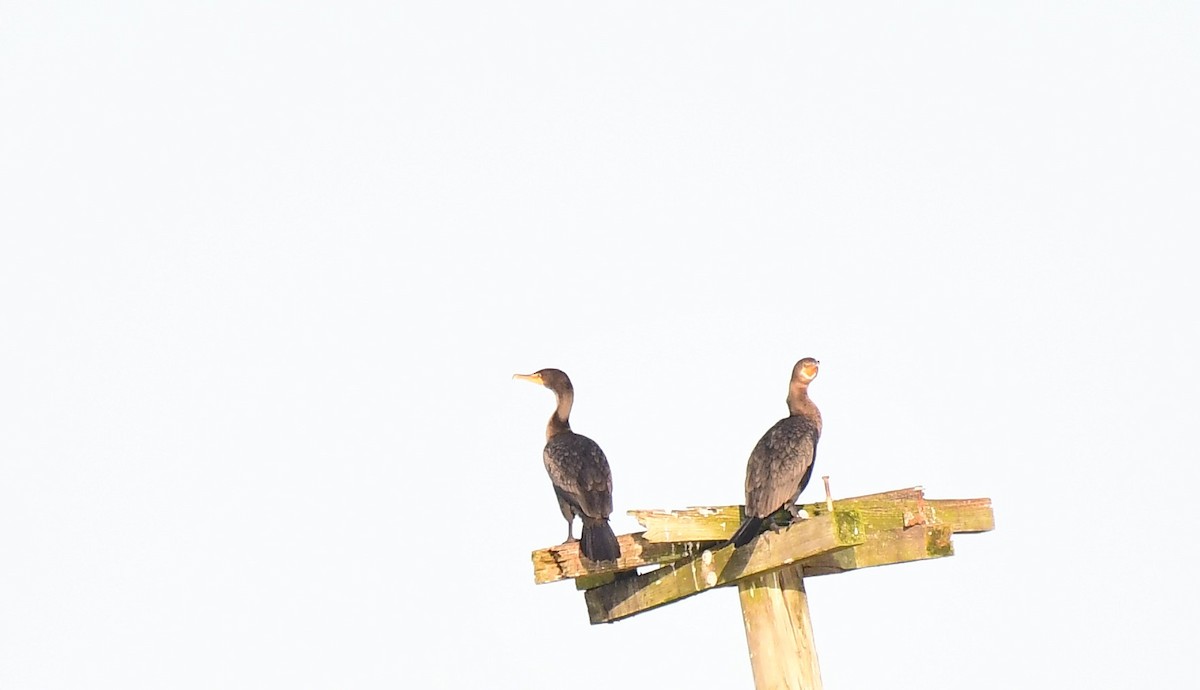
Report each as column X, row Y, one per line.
column 785, row 517
column 777, row 523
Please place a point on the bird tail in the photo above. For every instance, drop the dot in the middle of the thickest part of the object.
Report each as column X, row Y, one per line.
column 597, row 542
column 747, row 531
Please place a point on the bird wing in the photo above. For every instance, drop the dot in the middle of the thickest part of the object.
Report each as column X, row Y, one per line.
column 580, row 473
column 778, row 464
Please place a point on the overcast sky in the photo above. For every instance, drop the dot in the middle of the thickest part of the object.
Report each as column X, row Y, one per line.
column 266, row 270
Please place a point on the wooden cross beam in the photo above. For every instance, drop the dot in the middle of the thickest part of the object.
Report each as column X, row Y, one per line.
column 890, row 520
column 683, row 553
column 724, row 566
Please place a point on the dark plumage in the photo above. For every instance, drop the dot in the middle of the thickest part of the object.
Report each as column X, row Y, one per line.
column 781, row 464
column 579, row 472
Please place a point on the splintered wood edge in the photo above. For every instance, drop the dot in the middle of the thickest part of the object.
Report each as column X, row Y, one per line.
column 724, row 566
column 693, row 524
column 564, row 561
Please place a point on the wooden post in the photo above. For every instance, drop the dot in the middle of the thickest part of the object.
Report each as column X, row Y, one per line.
column 779, row 631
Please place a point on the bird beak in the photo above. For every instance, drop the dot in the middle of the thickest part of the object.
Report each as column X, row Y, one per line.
column 535, row 378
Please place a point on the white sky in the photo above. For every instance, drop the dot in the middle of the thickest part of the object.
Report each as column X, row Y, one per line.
column 266, row 271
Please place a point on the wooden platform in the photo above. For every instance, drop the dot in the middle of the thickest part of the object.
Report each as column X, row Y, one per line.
column 678, row 549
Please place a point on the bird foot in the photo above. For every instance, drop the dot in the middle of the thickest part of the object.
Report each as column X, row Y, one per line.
column 776, row 527
column 790, row 515
column 798, row 513
column 570, row 540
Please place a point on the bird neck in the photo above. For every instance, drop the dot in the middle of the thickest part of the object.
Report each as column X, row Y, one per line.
column 560, row 420
column 798, row 402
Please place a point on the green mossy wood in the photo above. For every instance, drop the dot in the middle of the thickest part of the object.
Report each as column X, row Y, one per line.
column 878, row 529
column 723, row 566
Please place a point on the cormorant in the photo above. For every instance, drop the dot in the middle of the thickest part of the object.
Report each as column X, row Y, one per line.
column 781, row 464
column 579, row 472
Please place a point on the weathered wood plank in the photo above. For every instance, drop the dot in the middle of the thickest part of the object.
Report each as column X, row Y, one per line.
column 676, row 535
column 962, row 515
column 804, row 539
column 586, row 582
column 887, row 510
column 884, row 548
column 959, row 514
column 564, row 561
column 715, row 523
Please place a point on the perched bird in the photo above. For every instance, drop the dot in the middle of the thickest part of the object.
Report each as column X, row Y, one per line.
column 781, row 464
column 579, row 472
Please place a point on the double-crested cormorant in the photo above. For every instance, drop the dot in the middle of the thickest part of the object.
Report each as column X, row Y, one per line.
column 781, row 464
column 579, row 471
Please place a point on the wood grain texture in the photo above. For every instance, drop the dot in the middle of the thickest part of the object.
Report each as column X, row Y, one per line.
column 779, row 631
column 886, row 510
column 724, row 566
column 884, row 547
column 564, row 562
column 898, row 526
